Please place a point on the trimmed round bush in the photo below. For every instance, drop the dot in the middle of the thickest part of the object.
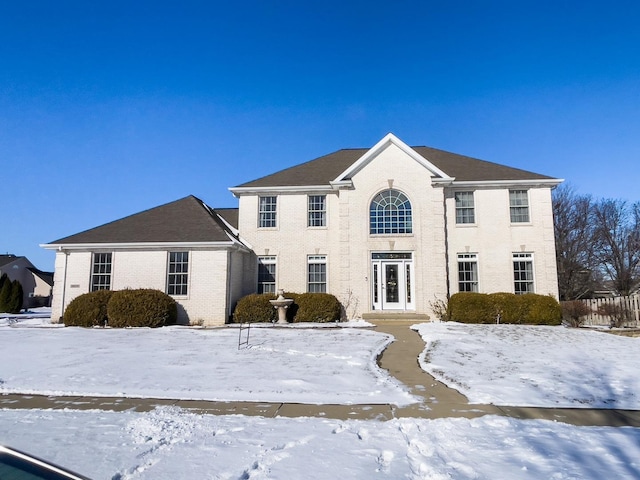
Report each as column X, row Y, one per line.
column 471, row 307
column 255, row 308
column 509, row 306
column 142, row 307
column 88, row 310
column 317, row 307
column 541, row 309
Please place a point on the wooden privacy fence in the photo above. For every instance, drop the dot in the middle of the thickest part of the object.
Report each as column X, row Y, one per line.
column 630, row 304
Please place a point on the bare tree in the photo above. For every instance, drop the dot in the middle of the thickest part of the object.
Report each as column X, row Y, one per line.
column 617, row 242
column 574, row 233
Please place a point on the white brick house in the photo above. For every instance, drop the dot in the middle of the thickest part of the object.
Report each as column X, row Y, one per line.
column 386, row 229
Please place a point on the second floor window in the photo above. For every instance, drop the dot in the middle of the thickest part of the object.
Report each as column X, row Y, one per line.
column 317, row 211
column 519, row 206
column 465, row 208
column 390, row 213
column 267, row 212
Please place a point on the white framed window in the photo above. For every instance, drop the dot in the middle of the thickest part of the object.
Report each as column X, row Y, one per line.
column 390, row 213
column 519, row 206
column 467, row 272
column 465, row 208
column 178, row 273
column 101, row 271
column 267, row 211
column 267, row 274
column 523, row 273
column 317, row 208
column 317, row 273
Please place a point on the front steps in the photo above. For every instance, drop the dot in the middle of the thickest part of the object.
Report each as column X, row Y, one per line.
column 396, row 316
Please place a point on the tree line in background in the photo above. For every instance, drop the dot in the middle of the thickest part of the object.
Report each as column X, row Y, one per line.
column 10, row 295
column 597, row 244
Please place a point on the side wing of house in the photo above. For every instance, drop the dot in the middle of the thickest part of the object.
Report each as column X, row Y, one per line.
column 183, row 248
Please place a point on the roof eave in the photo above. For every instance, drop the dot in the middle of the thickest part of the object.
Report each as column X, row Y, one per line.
column 238, row 191
column 141, row 245
column 536, row 182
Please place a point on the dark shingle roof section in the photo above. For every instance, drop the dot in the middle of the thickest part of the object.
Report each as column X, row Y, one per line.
column 185, row 220
column 230, row 215
column 314, row 172
column 6, row 259
column 323, row 170
column 468, row 169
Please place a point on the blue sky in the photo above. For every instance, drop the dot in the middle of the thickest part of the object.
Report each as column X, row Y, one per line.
column 110, row 108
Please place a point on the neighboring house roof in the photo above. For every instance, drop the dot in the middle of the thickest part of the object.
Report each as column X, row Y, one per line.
column 7, row 259
column 187, row 220
column 46, row 277
column 326, row 169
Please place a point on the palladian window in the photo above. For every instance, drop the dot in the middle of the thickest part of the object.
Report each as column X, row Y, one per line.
column 390, row 213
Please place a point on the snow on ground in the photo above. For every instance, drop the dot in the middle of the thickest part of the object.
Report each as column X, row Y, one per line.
column 514, row 365
column 170, row 443
column 534, row 365
column 329, row 365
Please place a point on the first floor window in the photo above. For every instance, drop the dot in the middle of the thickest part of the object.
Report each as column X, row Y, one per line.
column 317, row 274
column 267, row 274
column 317, row 211
column 465, row 207
column 523, row 273
column 178, row 273
column 101, row 272
column 267, row 212
column 467, row 272
column 519, row 206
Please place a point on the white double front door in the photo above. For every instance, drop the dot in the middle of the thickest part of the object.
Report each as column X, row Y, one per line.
column 392, row 281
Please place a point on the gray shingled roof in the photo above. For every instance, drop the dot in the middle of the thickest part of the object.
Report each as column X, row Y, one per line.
column 186, row 220
column 323, row 170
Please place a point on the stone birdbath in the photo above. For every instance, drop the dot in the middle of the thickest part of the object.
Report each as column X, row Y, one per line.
column 281, row 304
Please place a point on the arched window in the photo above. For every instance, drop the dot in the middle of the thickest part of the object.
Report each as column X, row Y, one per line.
column 390, row 213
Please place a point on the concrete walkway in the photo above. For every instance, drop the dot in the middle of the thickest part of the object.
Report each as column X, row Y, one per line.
column 400, row 359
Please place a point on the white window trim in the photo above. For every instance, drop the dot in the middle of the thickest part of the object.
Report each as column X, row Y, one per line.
column 275, row 212
column 524, row 256
column 325, row 211
column 528, row 221
column 319, row 259
column 267, row 260
column 469, row 257
column 188, row 273
column 455, row 206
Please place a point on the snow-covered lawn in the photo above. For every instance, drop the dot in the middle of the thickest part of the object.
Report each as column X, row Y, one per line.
column 169, row 444
column 499, row 364
column 534, row 365
column 328, row 365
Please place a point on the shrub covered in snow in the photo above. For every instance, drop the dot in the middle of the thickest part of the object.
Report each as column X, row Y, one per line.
column 88, row 310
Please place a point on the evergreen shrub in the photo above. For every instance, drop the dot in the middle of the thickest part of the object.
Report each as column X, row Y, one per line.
column 255, row 308
column 317, row 307
column 143, row 307
column 15, row 297
column 88, row 310
column 5, row 293
column 471, row 307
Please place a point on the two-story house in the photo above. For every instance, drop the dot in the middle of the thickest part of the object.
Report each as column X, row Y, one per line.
column 387, row 230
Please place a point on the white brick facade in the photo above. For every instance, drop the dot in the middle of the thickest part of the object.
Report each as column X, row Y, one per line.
column 403, row 271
